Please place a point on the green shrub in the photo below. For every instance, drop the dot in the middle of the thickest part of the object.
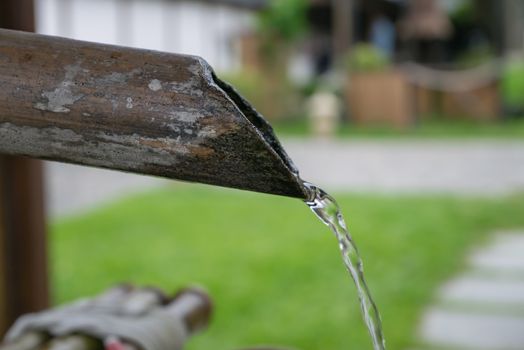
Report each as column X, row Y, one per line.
column 366, row 58
column 274, row 98
column 476, row 56
column 513, row 84
column 281, row 24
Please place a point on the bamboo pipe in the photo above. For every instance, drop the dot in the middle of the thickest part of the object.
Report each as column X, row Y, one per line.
column 134, row 110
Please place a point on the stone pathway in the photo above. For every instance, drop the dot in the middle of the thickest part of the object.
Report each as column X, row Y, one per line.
column 482, row 309
column 480, row 166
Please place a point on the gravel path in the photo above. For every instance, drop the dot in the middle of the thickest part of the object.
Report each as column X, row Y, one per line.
column 486, row 167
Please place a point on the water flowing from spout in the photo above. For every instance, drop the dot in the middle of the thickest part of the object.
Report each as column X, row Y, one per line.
column 327, row 210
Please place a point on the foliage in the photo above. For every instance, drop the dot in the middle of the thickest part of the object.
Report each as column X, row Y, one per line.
column 513, row 84
column 274, row 98
column 283, row 20
column 249, row 84
column 464, row 12
column 476, row 56
column 273, row 270
column 280, row 25
column 366, row 58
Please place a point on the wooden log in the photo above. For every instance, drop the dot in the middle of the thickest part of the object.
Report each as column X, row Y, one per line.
column 134, row 110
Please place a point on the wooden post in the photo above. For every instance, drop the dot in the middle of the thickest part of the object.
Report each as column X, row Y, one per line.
column 23, row 262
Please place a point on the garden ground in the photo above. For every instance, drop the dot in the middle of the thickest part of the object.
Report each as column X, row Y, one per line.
column 271, row 267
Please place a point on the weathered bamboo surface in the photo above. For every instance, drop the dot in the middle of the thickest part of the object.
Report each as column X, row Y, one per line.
column 134, row 110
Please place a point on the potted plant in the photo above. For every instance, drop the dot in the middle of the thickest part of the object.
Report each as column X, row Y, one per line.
column 376, row 93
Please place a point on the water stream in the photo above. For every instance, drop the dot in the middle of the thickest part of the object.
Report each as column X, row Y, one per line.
column 328, row 211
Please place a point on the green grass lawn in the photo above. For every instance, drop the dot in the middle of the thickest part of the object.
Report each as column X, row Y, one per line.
column 272, row 268
column 511, row 128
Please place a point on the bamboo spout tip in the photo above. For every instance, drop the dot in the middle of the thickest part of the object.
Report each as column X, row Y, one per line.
column 135, row 110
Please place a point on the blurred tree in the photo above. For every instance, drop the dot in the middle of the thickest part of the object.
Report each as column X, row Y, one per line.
column 464, row 12
column 280, row 25
column 367, row 58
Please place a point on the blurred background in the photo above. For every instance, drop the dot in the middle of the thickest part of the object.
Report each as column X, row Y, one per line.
column 411, row 112
column 434, row 61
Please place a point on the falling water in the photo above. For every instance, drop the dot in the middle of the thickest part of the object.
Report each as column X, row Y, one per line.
column 328, row 211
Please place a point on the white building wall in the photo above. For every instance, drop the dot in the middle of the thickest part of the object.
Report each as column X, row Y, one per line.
column 189, row 27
